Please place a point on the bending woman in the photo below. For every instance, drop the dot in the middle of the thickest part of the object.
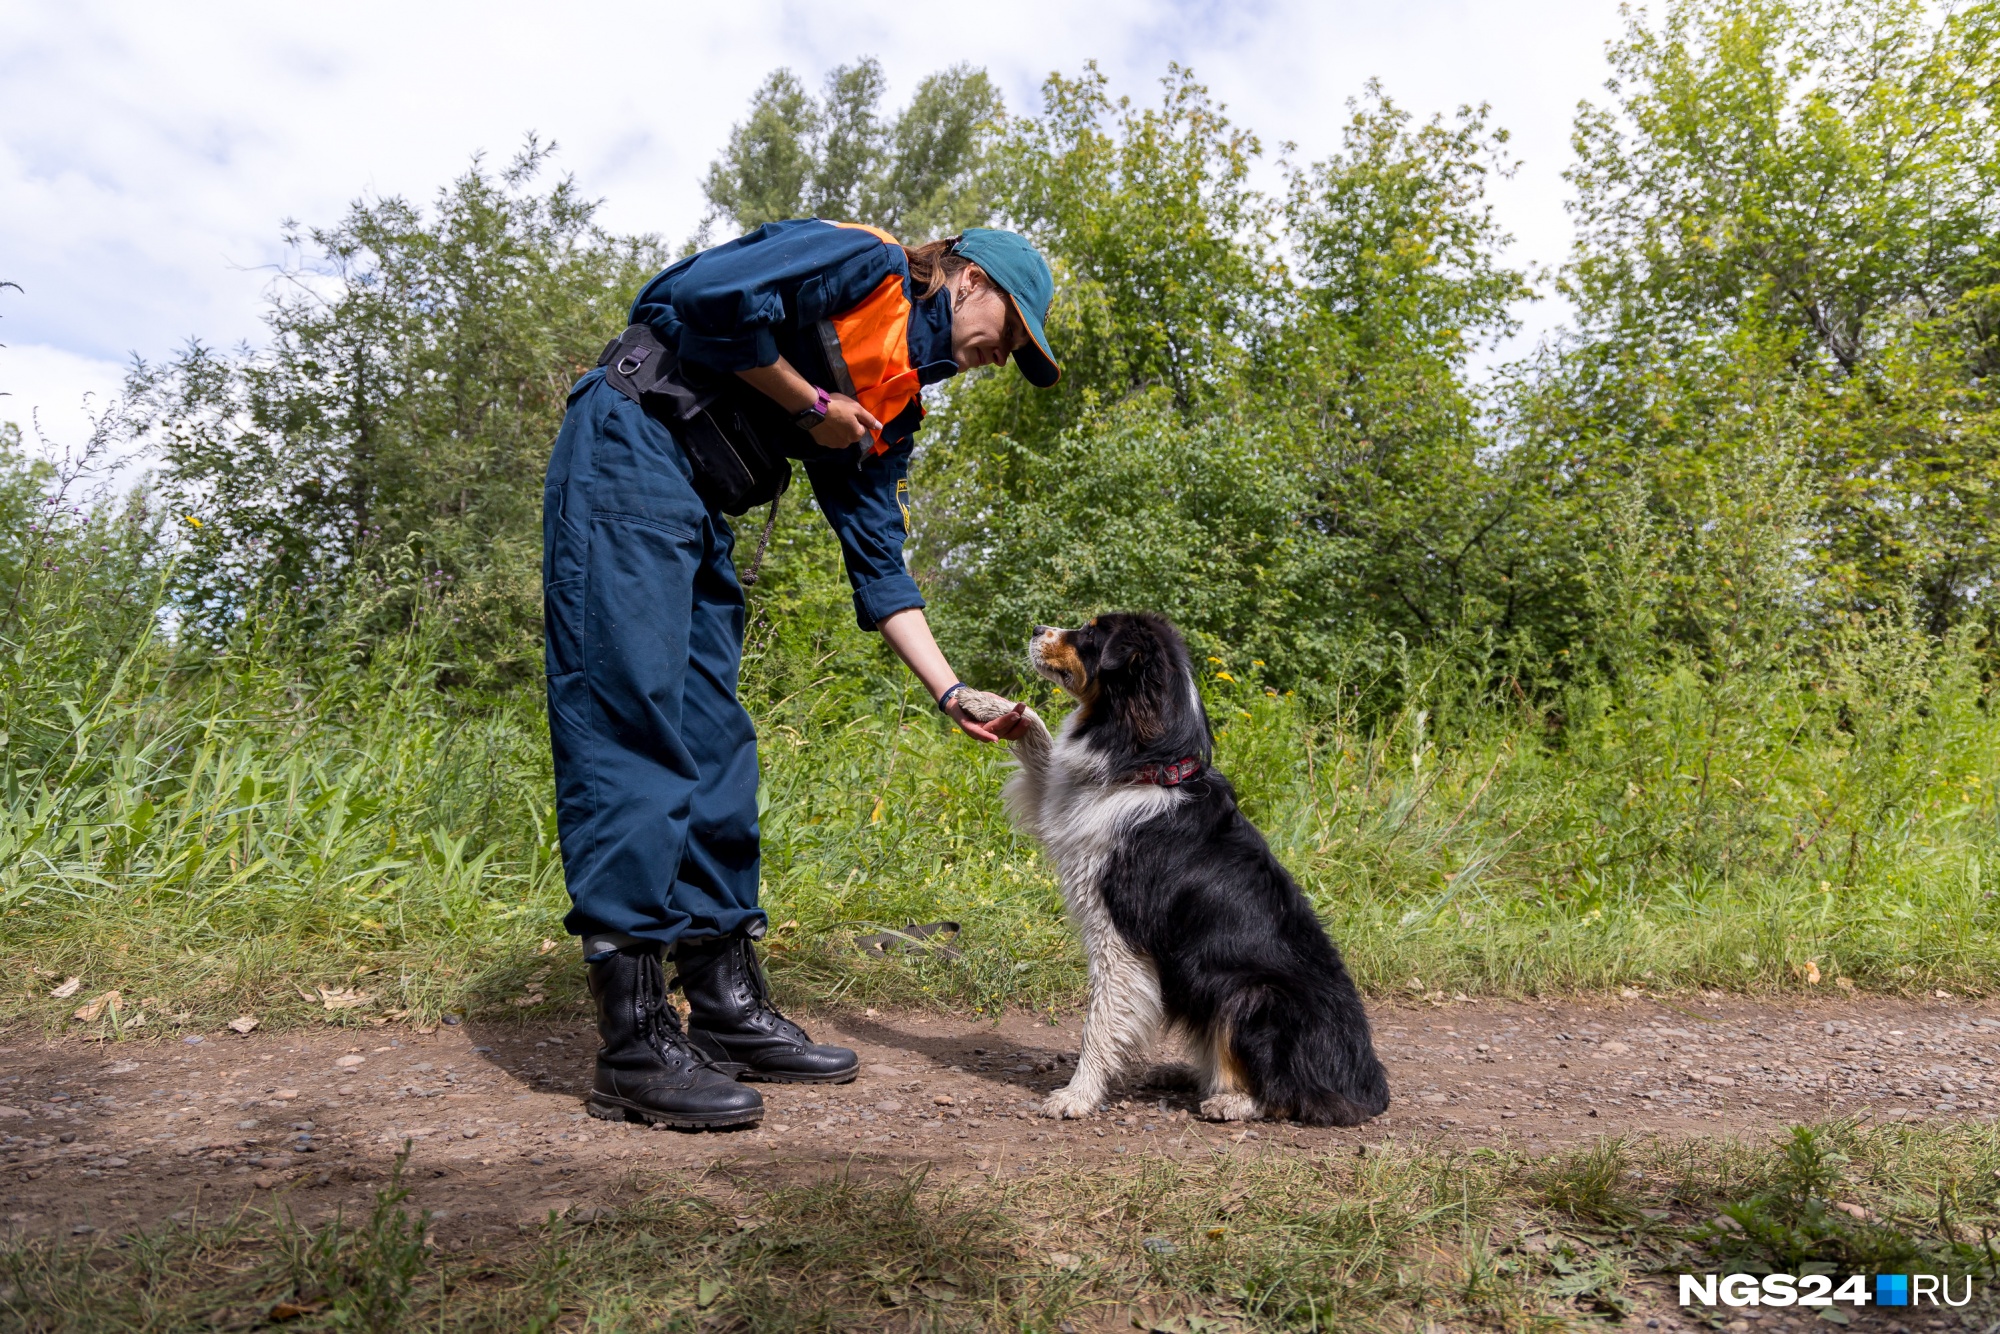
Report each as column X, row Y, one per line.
column 838, row 327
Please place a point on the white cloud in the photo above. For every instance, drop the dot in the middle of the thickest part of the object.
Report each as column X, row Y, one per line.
column 149, row 152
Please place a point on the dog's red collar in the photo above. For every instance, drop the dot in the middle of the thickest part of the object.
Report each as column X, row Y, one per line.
column 1168, row 775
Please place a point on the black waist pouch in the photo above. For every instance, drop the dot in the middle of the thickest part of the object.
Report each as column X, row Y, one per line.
column 736, row 440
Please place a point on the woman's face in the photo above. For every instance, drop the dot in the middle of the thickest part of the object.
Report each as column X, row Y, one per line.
column 984, row 328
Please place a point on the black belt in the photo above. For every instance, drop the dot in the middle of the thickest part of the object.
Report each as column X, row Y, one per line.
column 735, row 439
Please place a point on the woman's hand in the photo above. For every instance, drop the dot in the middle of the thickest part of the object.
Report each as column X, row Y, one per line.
column 1007, row 727
column 846, row 422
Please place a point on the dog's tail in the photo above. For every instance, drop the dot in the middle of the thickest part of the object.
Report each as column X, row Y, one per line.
column 1309, row 1056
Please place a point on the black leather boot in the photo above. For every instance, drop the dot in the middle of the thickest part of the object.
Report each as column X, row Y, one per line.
column 646, row 1069
column 731, row 1019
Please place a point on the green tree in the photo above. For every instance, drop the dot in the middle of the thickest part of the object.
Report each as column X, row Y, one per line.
column 1399, row 279
column 395, row 427
column 917, row 174
column 1338, row 391
column 1790, row 207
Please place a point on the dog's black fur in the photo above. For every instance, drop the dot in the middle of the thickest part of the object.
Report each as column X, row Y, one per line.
column 1243, row 960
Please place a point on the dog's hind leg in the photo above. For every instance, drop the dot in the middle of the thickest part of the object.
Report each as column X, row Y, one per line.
column 1225, row 1085
column 1119, row 1024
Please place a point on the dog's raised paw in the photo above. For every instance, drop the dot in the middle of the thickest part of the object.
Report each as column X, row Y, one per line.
column 983, row 706
column 1068, row 1103
column 1229, row 1107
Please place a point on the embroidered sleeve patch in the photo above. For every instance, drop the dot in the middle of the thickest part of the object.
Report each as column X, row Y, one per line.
column 903, row 501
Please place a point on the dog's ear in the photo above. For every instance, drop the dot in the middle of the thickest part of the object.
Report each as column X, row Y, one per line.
column 1121, row 652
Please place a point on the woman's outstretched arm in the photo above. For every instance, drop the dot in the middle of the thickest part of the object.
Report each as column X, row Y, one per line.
column 910, row 635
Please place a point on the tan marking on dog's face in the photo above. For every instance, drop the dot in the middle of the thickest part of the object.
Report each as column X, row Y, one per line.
column 1052, row 653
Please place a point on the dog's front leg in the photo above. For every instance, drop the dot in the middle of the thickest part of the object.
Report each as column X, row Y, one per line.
column 1120, row 1021
column 1031, row 752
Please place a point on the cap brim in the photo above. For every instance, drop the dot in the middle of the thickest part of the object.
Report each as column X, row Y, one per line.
column 1037, row 363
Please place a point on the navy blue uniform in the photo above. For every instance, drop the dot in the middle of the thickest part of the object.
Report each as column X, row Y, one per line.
column 655, row 759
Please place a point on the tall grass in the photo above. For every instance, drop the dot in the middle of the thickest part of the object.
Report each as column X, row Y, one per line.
column 301, row 811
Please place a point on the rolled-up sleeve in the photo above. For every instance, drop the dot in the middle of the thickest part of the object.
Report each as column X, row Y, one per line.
column 866, row 507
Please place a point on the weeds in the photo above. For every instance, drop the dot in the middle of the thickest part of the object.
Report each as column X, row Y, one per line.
column 1408, row 1233
column 310, row 815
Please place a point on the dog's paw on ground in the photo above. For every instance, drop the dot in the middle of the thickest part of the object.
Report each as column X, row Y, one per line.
column 1230, row 1107
column 1065, row 1102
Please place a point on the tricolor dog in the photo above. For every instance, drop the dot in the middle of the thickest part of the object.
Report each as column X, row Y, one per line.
column 1190, row 923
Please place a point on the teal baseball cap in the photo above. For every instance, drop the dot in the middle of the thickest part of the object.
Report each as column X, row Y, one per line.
column 1019, row 270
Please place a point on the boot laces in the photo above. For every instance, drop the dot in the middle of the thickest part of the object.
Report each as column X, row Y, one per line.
column 662, row 1024
column 760, row 996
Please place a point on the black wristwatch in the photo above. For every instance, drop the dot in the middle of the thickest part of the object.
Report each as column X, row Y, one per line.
column 813, row 413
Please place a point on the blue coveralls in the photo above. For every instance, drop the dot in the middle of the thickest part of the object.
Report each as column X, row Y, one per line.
column 655, row 758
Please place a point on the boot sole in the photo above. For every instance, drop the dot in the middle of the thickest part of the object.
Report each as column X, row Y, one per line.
column 749, row 1076
column 742, row 1073
column 606, row 1108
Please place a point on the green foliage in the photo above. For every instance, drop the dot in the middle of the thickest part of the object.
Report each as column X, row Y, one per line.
column 917, row 175
column 1790, row 208
column 391, row 436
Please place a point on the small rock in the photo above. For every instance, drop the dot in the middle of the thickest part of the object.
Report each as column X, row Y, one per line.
column 942, row 1100
column 886, row 1071
column 349, row 1062
column 81, row 1229
column 889, row 1105
column 242, row 1024
column 285, row 1095
column 67, row 1137
column 11, row 1113
column 1614, row 1047
column 246, row 1125
column 193, row 1039
column 117, row 1162
column 1158, row 1246
column 470, row 1132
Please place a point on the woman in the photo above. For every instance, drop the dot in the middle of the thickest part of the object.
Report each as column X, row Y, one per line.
column 835, row 327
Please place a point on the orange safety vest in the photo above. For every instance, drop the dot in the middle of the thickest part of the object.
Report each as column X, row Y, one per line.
column 873, row 354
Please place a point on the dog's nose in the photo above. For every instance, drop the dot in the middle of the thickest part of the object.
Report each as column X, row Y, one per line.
column 1041, row 630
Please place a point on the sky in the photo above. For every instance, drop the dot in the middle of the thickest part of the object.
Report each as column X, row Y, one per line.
column 150, row 154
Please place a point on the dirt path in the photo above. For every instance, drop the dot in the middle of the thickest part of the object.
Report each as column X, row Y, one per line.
column 109, row 1137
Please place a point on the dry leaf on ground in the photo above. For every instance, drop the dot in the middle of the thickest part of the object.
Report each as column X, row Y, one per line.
column 67, row 989
column 343, row 998
column 90, row 1009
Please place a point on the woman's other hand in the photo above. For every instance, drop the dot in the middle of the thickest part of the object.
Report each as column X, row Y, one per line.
column 846, row 422
column 1007, row 727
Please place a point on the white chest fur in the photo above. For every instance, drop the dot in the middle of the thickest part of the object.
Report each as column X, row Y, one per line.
column 1081, row 819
